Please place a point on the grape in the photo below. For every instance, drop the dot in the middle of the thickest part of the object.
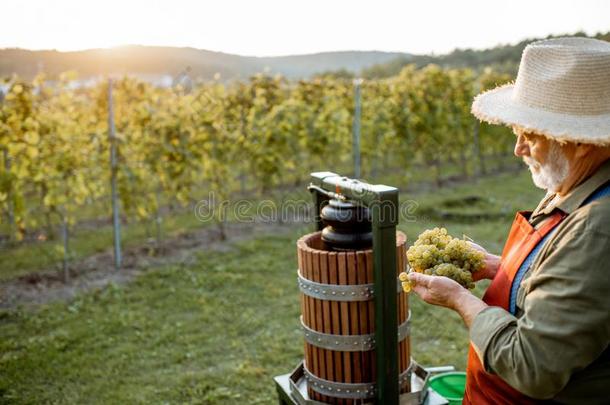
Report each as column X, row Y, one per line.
column 437, row 236
column 437, row 253
column 422, row 257
column 404, row 281
column 462, row 255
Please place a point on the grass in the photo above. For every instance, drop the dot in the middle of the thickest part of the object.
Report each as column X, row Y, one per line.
column 218, row 330
column 39, row 256
column 30, row 257
column 211, row 333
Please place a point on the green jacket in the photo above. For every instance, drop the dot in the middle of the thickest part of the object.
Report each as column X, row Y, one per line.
column 556, row 347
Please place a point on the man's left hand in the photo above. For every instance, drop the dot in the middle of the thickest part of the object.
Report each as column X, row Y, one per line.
column 437, row 290
column 443, row 291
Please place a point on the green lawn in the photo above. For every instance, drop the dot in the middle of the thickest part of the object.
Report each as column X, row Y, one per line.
column 47, row 255
column 218, row 330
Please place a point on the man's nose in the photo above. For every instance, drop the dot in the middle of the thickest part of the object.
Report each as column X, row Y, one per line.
column 521, row 147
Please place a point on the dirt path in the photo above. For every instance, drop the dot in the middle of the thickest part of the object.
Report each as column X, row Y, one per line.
column 97, row 271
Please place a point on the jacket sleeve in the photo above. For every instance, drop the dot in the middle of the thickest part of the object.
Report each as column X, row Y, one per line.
column 565, row 324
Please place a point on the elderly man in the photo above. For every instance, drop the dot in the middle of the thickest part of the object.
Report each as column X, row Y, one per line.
column 542, row 330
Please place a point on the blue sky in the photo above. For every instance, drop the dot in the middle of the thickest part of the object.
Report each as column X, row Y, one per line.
column 274, row 27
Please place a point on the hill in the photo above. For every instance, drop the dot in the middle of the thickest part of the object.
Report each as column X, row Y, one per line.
column 153, row 60
column 504, row 58
column 161, row 64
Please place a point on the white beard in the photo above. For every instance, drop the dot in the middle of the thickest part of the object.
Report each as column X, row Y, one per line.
column 551, row 175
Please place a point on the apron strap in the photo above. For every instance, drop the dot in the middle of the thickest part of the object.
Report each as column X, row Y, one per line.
column 603, row 191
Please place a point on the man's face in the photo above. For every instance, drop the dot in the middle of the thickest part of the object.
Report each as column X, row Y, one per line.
column 545, row 158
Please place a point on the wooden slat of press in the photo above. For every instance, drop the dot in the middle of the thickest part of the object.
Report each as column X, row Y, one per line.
column 333, row 278
column 406, row 304
column 403, row 315
column 408, row 339
column 330, row 375
column 399, row 266
column 306, row 320
column 352, row 278
column 405, row 354
column 304, row 306
column 318, row 321
column 403, row 302
column 312, row 316
column 306, row 314
column 399, row 313
column 345, row 319
column 324, row 321
column 370, row 273
column 361, row 273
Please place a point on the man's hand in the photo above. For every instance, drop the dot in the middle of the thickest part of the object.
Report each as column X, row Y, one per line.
column 443, row 291
column 437, row 290
column 492, row 263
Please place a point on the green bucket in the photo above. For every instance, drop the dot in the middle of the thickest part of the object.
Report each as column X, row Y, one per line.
column 450, row 385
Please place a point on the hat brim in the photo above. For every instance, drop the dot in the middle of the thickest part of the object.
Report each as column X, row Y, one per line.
column 498, row 107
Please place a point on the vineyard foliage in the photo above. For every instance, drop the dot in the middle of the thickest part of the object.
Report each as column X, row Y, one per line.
column 176, row 145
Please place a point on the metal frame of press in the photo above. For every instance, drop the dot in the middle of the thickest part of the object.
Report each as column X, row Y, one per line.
column 382, row 202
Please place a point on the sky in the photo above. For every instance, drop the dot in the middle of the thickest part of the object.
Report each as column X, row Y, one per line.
column 286, row 27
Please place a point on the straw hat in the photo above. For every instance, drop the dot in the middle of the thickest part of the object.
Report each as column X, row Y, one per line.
column 562, row 91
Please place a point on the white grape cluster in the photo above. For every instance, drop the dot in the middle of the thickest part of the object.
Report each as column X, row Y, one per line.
column 437, row 253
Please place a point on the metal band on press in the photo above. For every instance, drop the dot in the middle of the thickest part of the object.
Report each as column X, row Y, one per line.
column 347, row 390
column 350, row 343
column 339, row 292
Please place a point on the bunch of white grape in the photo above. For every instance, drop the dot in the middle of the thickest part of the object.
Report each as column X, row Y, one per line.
column 437, row 253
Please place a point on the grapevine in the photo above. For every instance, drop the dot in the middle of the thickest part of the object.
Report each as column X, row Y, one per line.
column 176, row 147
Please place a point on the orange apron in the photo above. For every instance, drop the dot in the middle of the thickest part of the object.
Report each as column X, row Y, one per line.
column 481, row 386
